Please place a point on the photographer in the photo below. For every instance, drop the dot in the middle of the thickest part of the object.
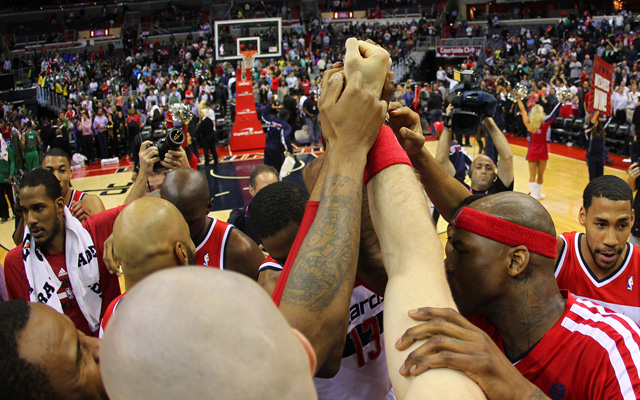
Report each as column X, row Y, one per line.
column 148, row 179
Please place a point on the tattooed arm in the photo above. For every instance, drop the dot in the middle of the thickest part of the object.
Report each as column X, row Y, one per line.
column 413, row 260
column 370, row 267
column 318, row 291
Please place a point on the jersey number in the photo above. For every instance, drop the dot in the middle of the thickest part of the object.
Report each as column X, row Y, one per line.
column 368, row 331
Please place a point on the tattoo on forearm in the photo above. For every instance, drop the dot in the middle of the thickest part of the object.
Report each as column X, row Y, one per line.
column 326, row 261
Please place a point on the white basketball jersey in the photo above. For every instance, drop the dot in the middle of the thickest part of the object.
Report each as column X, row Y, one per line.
column 363, row 373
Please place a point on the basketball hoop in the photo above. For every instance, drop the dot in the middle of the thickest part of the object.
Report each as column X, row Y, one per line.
column 247, row 58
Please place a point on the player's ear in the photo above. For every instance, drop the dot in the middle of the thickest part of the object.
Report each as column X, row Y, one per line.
column 519, row 257
column 313, row 361
column 181, row 254
column 209, row 205
column 582, row 216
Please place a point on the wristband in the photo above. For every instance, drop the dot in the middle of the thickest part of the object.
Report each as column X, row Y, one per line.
column 386, row 151
column 447, row 122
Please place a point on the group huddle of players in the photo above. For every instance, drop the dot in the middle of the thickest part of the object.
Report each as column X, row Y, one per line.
column 513, row 311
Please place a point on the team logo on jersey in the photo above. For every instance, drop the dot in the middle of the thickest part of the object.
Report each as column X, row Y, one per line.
column 630, row 283
column 206, row 259
column 557, row 391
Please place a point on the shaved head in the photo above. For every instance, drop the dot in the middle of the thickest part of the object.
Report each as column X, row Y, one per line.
column 486, row 275
column 188, row 190
column 148, row 235
column 206, row 333
column 185, row 187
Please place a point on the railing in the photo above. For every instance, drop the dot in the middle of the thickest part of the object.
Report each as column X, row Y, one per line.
column 455, row 42
column 397, row 12
column 48, row 98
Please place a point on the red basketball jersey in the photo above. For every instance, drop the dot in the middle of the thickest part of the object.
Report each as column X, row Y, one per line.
column 76, row 195
column 618, row 292
column 108, row 313
column 212, row 250
column 591, row 353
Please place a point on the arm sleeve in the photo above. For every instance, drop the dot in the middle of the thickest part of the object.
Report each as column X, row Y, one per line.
column 553, row 113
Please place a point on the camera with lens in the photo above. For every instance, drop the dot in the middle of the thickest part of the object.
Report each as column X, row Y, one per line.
column 171, row 141
column 471, row 105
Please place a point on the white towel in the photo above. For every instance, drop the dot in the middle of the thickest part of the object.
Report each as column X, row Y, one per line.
column 4, row 152
column 82, row 267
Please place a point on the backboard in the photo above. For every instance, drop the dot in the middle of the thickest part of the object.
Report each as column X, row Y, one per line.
column 263, row 35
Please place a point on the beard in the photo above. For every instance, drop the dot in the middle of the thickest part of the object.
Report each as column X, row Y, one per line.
column 604, row 249
column 55, row 229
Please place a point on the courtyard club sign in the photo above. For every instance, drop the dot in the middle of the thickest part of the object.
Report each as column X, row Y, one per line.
column 457, row 51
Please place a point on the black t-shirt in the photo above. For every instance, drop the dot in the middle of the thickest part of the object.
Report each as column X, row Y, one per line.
column 497, row 187
column 311, row 106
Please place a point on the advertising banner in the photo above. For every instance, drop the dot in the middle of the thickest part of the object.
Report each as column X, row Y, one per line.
column 602, row 87
column 247, row 132
column 457, row 51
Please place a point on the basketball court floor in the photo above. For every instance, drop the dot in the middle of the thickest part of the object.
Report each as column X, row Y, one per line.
column 565, row 179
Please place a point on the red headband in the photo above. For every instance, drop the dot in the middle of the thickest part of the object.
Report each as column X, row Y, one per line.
column 506, row 232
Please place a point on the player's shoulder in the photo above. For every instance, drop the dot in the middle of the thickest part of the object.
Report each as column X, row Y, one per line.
column 600, row 326
column 14, row 257
column 270, row 264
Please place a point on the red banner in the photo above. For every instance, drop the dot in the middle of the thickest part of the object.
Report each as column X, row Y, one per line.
column 457, row 51
column 247, row 132
column 601, row 87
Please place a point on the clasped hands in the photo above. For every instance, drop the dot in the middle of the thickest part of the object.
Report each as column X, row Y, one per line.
column 351, row 112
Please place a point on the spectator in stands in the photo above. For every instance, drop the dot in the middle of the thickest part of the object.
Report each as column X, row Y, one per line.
column 100, row 123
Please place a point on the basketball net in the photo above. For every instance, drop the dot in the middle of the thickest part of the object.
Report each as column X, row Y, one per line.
column 247, row 61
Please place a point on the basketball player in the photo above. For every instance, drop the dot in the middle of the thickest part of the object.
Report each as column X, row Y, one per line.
column 600, row 265
column 59, row 251
column 82, row 205
column 500, row 262
column 150, row 234
column 215, row 334
column 43, row 355
column 278, row 210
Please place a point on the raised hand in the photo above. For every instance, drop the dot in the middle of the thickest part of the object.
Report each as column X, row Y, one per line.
column 371, row 60
column 351, row 117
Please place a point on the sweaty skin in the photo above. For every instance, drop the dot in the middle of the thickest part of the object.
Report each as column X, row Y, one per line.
column 148, row 235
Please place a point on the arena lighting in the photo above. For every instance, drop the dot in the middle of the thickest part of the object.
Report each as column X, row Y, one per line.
column 342, row 15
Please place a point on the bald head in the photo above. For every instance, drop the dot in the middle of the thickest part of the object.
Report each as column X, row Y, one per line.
column 150, row 234
column 207, row 333
column 184, row 188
